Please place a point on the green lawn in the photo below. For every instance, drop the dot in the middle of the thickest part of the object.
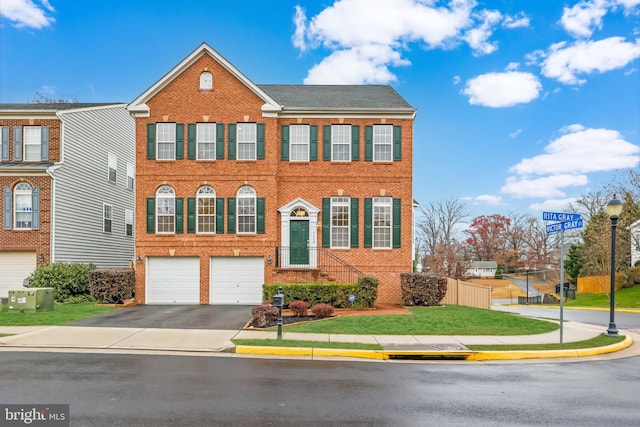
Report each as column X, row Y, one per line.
column 599, row 341
column 312, row 344
column 625, row 298
column 61, row 313
column 447, row 320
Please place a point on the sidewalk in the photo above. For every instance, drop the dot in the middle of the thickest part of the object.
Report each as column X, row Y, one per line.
column 104, row 339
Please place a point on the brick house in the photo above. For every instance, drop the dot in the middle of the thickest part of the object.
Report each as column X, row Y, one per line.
column 67, row 181
column 239, row 184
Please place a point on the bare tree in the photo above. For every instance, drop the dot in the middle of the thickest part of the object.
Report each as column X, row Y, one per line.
column 515, row 242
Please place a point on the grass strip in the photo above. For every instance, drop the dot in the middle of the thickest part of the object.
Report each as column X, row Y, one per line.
column 61, row 314
column 447, row 320
column 601, row 340
column 312, row 344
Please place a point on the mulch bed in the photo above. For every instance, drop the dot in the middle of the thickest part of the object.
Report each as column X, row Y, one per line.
column 286, row 320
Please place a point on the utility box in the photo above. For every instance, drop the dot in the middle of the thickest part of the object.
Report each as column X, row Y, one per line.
column 31, row 299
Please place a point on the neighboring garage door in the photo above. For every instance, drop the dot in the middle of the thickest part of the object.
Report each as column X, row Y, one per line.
column 236, row 280
column 173, row 280
column 14, row 268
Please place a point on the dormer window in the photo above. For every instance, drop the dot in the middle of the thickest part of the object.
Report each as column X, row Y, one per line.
column 206, row 81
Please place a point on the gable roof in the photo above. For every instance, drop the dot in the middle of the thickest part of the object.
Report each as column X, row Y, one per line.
column 138, row 106
column 483, row 264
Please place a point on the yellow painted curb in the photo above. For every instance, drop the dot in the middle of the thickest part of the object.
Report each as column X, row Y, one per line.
column 540, row 354
column 335, row 352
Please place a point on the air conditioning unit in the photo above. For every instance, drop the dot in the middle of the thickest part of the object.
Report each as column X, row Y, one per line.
column 31, row 299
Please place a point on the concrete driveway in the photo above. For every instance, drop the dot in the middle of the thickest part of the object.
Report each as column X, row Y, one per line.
column 229, row 317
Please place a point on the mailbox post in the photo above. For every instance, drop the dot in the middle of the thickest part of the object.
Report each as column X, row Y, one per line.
column 278, row 301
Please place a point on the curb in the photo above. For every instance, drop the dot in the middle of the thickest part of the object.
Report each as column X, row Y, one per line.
column 470, row 355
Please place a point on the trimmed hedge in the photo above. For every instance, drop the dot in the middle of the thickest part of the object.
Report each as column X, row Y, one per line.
column 69, row 281
column 112, row 286
column 332, row 293
column 423, row 288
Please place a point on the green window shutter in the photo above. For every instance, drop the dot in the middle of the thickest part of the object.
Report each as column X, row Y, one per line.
column 326, row 142
column 396, row 223
column 191, row 215
column 179, row 215
column 397, row 143
column 8, row 209
column 17, row 143
column 191, row 141
column 151, row 141
column 151, row 215
column 260, row 215
column 35, row 209
column 44, row 144
column 232, row 141
column 368, row 222
column 368, row 143
column 5, row 143
column 260, row 141
column 326, row 222
column 354, row 222
column 220, row 141
column 355, row 142
column 284, row 151
column 313, row 142
column 219, row 215
column 231, row 215
column 179, row 141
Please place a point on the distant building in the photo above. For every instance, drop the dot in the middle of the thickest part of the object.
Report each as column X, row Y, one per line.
column 635, row 242
column 482, row 269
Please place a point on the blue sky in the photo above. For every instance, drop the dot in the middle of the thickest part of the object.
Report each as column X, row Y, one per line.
column 522, row 105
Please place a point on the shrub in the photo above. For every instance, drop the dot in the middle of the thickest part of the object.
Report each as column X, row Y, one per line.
column 112, row 286
column 498, row 274
column 69, row 281
column 629, row 277
column 332, row 293
column 299, row 308
column 423, row 288
column 263, row 314
column 322, row 311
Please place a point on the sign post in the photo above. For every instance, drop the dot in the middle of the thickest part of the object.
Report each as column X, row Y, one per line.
column 566, row 222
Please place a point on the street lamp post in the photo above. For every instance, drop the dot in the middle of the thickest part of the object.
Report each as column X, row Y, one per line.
column 526, row 269
column 614, row 208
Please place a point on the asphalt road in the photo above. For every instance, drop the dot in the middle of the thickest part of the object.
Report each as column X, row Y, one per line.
column 143, row 390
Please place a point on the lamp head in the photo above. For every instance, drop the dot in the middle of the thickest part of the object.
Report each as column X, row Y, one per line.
column 614, row 208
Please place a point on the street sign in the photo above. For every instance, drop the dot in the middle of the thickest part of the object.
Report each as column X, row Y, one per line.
column 565, row 225
column 560, row 216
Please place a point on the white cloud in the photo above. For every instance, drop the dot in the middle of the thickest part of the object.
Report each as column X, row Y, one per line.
column 488, row 200
column 348, row 28
column 502, row 89
column 512, row 66
column 548, row 186
column 564, row 62
column 582, row 150
column 553, row 205
column 456, row 80
column 515, row 134
column 27, row 14
column 585, row 16
column 517, row 21
column 628, row 4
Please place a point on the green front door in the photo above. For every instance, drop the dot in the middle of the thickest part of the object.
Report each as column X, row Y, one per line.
column 299, row 242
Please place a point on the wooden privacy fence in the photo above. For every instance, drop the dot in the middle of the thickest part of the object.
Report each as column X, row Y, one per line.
column 596, row 284
column 467, row 294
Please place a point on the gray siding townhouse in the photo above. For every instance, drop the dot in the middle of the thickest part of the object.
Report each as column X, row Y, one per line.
column 67, row 176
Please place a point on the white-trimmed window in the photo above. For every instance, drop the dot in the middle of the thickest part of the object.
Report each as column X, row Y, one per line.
column 206, row 80
column 131, row 176
column 382, row 222
column 112, row 167
column 206, row 217
column 246, row 208
column 246, row 141
column 299, row 143
column 32, row 141
column 22, row 202
column 107, row 217
column 165, row 210
column 341, row 143
column 382, row 143
column 340, row 220
column 206, row 141
column 166, row 141
column 128, row 222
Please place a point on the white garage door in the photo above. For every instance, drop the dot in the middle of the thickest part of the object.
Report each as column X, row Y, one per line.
column 236, row 280
column 14, row 268
column 173, row 280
